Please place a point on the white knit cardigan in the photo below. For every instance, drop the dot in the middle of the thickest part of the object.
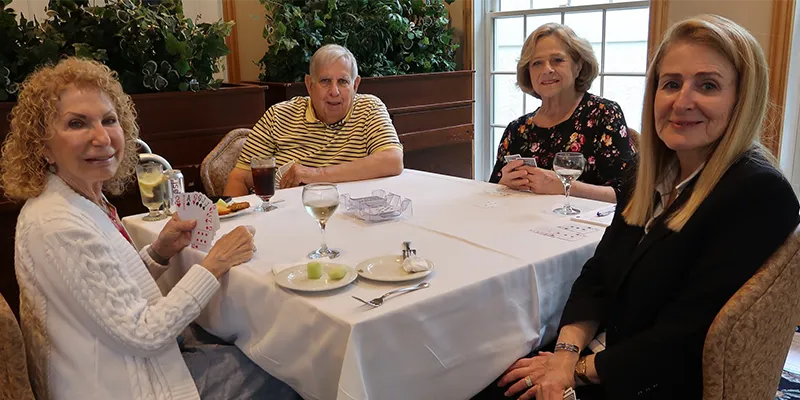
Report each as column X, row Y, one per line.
column 95, row 324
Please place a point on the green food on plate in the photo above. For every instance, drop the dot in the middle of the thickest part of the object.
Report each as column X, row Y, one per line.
column 314, row 270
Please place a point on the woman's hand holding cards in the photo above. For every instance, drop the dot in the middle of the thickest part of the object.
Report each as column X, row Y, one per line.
column 513, row 176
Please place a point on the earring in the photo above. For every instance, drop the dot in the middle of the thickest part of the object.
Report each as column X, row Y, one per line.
column 51, row 166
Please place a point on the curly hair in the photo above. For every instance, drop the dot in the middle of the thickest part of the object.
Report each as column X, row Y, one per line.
column 23, row 168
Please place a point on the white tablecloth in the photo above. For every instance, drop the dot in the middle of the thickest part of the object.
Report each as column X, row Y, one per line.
column 497, row 291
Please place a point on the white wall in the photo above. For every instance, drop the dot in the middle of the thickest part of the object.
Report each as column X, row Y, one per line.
column 790, row 146
column 753, row 15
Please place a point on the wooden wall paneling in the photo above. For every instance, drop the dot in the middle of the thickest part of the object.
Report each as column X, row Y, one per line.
column 779, row 53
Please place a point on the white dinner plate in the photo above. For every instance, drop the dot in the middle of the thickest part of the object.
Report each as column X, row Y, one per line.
column 389, row 269
column 296, row 278
column 240, row 212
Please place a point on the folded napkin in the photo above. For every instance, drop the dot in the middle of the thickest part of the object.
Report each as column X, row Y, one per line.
column 415, row 264
column 277, row 268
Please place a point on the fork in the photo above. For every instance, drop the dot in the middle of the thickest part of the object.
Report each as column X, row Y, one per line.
column 378, row 301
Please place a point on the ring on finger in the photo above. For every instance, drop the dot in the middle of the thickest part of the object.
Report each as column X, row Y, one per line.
column 528, row 381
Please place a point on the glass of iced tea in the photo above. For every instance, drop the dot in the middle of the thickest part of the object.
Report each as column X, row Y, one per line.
column 263, row 169
column 153, row 188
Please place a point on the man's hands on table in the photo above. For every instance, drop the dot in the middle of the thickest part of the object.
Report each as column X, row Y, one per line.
column 298, row 175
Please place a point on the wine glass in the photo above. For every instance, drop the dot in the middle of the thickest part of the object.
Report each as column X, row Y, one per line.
column 153, row 188
column 321, row 201
column 263, row 170
column 568, row 166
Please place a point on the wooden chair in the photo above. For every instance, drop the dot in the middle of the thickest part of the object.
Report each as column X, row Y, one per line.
column 221, row 160
column 747, row 343
column 635, row 137
column 14, row 381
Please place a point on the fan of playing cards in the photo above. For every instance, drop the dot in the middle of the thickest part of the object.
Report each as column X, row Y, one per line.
column 199, row 207
column 529, row 161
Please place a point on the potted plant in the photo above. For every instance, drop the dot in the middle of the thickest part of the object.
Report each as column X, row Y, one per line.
column 406, row 56
column 166, row 61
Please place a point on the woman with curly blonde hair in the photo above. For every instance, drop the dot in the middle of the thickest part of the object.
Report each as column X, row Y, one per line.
column 94, row 321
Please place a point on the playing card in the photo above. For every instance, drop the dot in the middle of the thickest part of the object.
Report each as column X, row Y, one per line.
column 529, row 161
column 569, row 394
column 512, row 157
column 558, row 233
column 580, row 228
column 198, row 207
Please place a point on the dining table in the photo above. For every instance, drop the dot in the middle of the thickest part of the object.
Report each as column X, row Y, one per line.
column 496, row 290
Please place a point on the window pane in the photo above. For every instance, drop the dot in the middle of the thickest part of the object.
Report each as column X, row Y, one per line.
column 626, row 57
column 508, row 40
column 540, row 4
column 512, row 5
column 626, row 40
column 588, row 25
column 628, row 91
column 506, row 99
column 497, row 134
column 587, row 2
column 535, row 21
column 531, row 103
column 595, row 89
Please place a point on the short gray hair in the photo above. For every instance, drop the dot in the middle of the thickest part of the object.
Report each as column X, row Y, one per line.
column 329, row 54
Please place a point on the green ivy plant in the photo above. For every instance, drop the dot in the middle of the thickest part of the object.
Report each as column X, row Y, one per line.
column 387, row 37
column 22, row 48
column 152, row 46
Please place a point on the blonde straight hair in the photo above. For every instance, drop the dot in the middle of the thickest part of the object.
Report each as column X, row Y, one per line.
column 742, row 133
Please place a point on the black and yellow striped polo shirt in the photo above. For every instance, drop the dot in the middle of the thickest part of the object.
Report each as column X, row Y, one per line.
column 290, row 130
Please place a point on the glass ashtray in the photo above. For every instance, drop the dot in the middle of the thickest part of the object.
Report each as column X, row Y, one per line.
column 381, row 206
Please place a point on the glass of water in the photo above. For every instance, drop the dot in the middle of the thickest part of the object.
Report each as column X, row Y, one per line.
column 153, row 188
column 321, row 201
column 568, row 166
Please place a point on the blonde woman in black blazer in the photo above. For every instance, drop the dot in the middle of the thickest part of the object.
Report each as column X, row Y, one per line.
column 707, row 209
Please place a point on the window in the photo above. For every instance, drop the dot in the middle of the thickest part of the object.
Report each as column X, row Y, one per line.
column 617, row 30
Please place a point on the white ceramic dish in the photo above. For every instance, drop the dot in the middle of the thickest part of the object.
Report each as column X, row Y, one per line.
column 389, row 268
column 240, row 212
column 296, row 278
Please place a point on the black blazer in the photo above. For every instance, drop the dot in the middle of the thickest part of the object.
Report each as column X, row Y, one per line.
column 657, row 298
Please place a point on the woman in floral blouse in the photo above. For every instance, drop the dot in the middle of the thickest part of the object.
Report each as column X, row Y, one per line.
column 558, row 67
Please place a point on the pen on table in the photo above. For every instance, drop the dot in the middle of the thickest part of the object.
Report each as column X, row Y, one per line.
column 605, row 212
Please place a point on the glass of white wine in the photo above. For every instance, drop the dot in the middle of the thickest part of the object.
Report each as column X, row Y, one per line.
column 568, row 166
column 321, row 201
column 153, row 188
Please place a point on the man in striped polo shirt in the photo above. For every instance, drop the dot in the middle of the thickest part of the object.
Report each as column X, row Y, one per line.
column 334, row 135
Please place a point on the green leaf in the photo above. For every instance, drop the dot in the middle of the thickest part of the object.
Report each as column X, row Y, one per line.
column 183, row 86
column 182, row 67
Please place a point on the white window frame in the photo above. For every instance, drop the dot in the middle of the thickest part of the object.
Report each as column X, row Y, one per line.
column 484, row 66
column 790, row 145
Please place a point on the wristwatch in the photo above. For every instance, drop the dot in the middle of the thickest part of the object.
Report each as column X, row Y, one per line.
column 580, row 371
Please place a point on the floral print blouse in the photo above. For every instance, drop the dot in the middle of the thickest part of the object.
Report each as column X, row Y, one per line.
column 596, row 128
